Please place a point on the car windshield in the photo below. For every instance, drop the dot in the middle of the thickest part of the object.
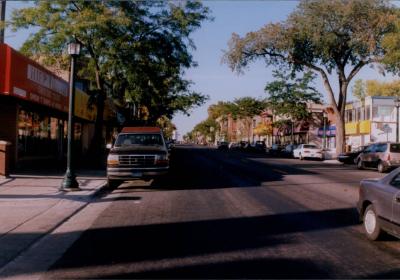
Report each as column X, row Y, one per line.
column 395, row 148
column 310, row 147
column 139, row 139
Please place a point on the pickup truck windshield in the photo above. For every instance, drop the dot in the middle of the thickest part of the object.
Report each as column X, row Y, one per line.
column 139, row 139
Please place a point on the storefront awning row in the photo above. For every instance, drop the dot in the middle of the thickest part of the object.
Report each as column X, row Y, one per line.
column 26, row 79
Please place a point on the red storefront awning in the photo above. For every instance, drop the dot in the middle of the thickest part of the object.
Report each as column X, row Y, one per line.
column 26, row 79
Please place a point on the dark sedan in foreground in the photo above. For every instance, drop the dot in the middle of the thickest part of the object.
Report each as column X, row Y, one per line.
column 379, row 205
column 350, row 157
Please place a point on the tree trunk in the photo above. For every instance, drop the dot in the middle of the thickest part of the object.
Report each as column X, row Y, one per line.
column 340, row 134
column 96, row 150
column 98, row 127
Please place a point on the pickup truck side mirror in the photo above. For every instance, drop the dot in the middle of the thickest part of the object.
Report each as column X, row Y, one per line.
column 108, row 146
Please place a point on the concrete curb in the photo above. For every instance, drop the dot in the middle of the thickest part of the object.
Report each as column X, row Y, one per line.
column 332, row 161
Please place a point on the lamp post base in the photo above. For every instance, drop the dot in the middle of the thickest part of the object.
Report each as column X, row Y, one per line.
column 69, row 182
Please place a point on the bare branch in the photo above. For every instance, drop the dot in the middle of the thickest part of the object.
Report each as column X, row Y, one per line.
column 356, row 69
column 325, row 78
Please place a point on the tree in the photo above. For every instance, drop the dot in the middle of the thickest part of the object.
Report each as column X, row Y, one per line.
column 327, row 37
column 358, row 90
column 167, row 126
column 245, row 108
column 289, row 96
column 375, row 88
column 136, row 51
column 206, row 129
column 221, row 110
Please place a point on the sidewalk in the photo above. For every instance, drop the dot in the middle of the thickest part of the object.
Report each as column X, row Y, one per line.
column 332, row 161
column 32, row 206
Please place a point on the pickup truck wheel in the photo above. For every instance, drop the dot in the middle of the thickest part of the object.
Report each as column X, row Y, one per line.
column 360, row 164
column 381, row 167
column 371, row 223
column 112, row 184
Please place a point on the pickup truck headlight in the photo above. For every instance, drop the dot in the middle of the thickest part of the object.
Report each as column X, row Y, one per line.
column 162, row 159
column 112, row 160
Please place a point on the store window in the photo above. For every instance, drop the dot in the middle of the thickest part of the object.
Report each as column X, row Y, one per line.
column 359, row 117
column 349, row 115
column 37, row 134
column 367, row 114
column 382, row 111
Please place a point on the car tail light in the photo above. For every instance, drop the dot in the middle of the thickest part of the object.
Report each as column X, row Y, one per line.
column 388, row 157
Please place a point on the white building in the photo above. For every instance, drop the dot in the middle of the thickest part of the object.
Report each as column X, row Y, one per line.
column 373, row 120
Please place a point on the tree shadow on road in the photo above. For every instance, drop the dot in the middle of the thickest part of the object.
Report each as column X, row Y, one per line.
column 172, row 249
column 211, row 169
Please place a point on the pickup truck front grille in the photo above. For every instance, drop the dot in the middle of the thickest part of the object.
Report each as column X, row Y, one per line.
column 137, row 160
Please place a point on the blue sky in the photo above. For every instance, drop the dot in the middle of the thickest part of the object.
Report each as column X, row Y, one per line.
column 212, row 77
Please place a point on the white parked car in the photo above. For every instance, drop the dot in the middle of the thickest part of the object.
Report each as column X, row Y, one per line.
column 308, row 151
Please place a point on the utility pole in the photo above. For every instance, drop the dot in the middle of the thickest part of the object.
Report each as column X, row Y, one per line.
column 2, row 19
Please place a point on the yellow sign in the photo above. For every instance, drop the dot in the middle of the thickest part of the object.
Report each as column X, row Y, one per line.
column 348, row 106
column 351, row 128
column 365, row 127
column 81, row 106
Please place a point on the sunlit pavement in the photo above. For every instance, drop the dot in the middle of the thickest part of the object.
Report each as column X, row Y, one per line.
column 221, row 215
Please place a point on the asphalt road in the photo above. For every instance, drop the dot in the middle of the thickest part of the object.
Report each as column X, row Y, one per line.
column 233, row 215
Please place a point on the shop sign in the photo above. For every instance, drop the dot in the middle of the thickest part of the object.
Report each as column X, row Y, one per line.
column 351, row 128
column 330, row 131
column 365, row 127
column 48, row 81
column 82, row 109
column 26, row 79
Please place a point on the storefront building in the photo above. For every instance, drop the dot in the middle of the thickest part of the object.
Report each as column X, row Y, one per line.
column 34, row 108
column 373, row 120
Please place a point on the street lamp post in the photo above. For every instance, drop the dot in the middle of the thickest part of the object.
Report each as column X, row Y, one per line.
column 397, row 104
column 69, row 182
column 324, row 116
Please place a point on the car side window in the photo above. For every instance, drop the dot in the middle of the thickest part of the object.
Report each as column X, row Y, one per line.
column 396, row 181
column 381, row 148
column 370, row 149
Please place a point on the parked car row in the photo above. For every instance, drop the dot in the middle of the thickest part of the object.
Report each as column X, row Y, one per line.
column 301, row 151
column 258, row 146
column 383, row 156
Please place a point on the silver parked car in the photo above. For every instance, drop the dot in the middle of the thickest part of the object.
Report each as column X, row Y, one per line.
column 379, row 205
column 383, row 156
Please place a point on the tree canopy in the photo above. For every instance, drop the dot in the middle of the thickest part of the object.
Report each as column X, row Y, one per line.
column 290, row 95
column 135, row 51
column 362, row 88
column 329, row 37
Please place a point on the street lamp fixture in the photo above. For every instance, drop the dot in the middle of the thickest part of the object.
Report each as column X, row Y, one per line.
column 69, row 182
column 74, row 49
column 397, row 104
